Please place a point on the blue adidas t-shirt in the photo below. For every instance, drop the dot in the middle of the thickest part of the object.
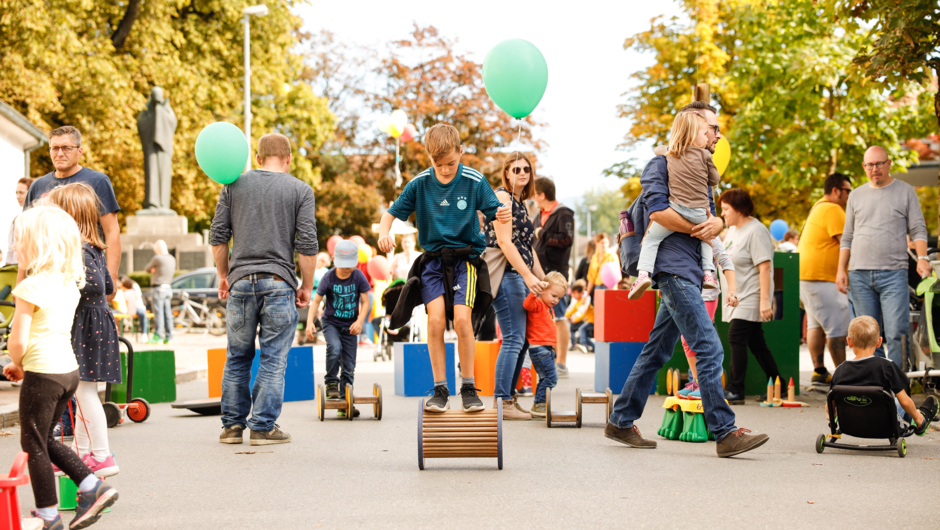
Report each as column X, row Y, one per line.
column 343, row 297
column 447, row 213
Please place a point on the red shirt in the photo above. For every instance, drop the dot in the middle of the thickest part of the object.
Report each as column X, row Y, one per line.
column 540, row 322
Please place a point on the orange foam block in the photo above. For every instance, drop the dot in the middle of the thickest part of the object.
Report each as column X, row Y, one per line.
column 619, row 319
column 484, row 366
column 216, row 358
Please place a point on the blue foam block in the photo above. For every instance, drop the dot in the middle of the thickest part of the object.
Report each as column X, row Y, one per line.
column 613, row 362
column 413, row 375
column 298, row 377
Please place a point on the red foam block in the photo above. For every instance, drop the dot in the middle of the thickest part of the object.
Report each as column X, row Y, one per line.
column 619, row 319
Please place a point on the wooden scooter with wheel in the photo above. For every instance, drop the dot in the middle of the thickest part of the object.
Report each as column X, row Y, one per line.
column 138, row 410
column 348, row 401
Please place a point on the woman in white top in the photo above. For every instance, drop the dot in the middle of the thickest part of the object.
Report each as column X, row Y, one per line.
column 402, row 262
column 752, row 251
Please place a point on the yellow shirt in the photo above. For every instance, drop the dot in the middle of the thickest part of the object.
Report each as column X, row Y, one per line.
column 581, row 310
column 819, row 252
column 594, row 269
column 49, row 350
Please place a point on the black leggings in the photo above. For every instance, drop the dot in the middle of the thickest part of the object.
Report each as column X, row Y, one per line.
column 741, row 335
column 43, row 397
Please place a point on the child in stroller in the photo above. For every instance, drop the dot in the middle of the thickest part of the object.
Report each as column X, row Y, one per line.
column 388, row 337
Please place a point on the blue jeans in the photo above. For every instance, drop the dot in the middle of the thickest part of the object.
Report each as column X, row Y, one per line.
column 271, row 303
column 682, row 312
column 341, row 349
column 142, row 320
column 543, row 360
column 584, row 335
column 883, row 295
column 574, row 327
column 162, row 312
column 512, row 319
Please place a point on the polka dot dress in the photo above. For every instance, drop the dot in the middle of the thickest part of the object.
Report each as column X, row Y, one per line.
column 94, row 333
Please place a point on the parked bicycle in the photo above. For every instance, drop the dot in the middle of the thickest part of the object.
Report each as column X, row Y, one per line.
column 191, row 314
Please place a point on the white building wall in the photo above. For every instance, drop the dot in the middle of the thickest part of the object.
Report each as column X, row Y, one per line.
column 12, row 169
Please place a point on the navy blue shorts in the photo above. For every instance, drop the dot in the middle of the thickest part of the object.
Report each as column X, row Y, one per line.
column 465, row 282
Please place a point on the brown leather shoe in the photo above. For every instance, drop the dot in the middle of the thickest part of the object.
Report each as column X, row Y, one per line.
column 740, row 441
column 631, row 436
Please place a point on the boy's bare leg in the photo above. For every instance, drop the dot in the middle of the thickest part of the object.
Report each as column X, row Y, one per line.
column 466, row 342
column 437, row 322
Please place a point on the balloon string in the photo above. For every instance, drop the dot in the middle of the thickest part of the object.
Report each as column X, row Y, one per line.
column 512, row 198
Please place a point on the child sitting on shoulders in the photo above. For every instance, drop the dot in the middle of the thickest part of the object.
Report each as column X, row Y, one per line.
column 867, row 370
column 542, row 335
column 345, row 289
column 451, row 276
column 691, row 172
column 49, row 248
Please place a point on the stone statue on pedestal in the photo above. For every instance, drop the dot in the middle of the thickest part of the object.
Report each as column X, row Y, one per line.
column 156, row 125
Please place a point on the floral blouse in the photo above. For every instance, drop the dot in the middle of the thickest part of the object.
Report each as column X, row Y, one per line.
column 523, row 232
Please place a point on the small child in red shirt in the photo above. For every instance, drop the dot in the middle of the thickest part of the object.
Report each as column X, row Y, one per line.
column 542, row 337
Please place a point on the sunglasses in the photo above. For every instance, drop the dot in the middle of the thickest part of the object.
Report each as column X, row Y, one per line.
column 517, row 170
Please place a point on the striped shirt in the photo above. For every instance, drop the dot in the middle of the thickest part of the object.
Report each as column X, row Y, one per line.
column 447, row 213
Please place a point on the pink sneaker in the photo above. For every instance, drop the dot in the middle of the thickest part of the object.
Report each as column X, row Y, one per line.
column 107, row 468
column 640, row 286
column 709, row 281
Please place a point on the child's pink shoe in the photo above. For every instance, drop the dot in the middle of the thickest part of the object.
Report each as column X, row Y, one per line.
column 106, row 468
column 640, row 286
column 709, row 281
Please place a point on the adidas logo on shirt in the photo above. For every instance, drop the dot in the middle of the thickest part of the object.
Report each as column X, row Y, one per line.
column 445, row 203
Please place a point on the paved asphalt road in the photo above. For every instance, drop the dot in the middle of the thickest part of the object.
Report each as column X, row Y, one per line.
column 341, row 474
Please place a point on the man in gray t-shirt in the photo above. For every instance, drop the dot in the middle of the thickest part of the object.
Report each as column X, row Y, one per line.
column 873, row 253
column 162, row 266
column 267, row 214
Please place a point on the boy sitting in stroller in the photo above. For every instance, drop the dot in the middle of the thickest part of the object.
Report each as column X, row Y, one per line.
column 867, row 370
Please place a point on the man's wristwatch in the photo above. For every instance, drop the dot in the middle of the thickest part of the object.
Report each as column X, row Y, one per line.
column 925, row 258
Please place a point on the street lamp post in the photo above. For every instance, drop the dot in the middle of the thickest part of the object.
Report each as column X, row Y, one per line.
column 260, row 10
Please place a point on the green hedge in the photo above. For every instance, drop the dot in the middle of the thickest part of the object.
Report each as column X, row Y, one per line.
column 143, row 278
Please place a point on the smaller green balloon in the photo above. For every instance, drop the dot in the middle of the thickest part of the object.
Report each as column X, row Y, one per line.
column 222, row 152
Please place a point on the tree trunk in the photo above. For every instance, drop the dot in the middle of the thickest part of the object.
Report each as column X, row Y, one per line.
column 124, row 28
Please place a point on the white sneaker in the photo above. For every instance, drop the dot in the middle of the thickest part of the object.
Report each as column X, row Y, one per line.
column 709, row 281
column 640, row 286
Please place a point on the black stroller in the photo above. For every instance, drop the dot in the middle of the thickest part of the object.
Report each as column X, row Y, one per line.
column 388, row 337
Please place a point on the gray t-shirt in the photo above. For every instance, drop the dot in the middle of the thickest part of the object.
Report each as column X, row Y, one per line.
column 748, row 246
column 267, row 215
column 876, row 221
column 165, row 265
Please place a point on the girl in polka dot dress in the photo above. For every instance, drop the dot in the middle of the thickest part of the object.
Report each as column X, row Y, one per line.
column 94, row 332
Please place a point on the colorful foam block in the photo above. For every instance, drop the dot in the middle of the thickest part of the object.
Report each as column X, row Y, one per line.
column 484, row 366
column 413, row 375
column 298, row 377
column 154, row 377
column 216, row 359
column 613, row 362
column 619, row 319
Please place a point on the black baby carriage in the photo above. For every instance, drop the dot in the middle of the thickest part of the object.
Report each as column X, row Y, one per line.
column 388, row 337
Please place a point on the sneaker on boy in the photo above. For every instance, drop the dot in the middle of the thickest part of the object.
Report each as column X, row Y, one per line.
column 538, row 410
column 332, row 390
column 91, row 504
column 471, row 402
column 438, row 402
column 340, row 413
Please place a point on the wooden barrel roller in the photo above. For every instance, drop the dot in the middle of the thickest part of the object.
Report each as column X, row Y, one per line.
column 606, row 398
column 570, row 418
column 458, row 434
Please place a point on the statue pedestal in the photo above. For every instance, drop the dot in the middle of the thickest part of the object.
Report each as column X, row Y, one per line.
column 142, row 231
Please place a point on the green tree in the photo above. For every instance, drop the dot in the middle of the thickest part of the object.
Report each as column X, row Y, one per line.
column 604, row 206
column 92, row 64
column 789, row 105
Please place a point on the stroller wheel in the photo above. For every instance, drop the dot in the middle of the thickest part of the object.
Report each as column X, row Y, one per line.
column 820, row 443
column 902, row 447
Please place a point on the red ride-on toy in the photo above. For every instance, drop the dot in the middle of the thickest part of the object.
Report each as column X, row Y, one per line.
column 138, row 410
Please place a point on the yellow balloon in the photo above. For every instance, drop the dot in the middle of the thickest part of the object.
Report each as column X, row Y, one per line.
column 722, row 155
column 394, row 131
column 363, row 255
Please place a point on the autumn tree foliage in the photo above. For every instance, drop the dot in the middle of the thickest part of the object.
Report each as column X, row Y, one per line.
column 92, row 64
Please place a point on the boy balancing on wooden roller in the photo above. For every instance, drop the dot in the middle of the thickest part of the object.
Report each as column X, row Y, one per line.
column 450, row 278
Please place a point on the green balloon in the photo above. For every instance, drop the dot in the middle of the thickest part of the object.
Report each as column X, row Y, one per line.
column 515, row 76
column 222, row 152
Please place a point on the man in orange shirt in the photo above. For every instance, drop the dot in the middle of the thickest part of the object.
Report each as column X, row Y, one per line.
column 827, row 309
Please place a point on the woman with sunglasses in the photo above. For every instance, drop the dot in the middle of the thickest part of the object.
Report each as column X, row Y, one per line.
column 522, row 273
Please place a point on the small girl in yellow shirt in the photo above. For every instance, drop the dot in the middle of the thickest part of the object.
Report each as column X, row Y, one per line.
column 49, row 247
